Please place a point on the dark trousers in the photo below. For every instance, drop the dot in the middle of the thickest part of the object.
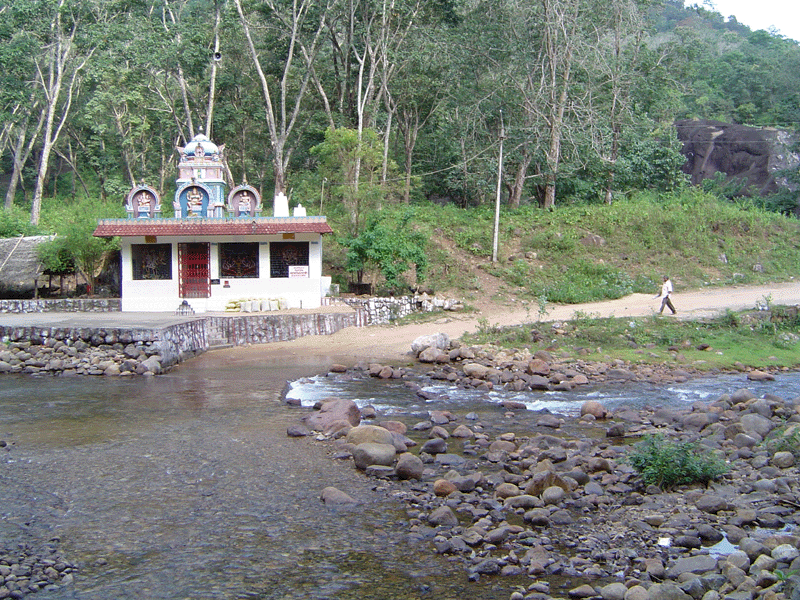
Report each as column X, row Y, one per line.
column 667, row 302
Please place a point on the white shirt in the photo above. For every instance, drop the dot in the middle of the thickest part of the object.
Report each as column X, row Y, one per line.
column 666, row 289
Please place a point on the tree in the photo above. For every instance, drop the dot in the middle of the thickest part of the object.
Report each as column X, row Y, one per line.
column 617, row 35
column 58, row 69
column 297, row 27
column 415, row 95
column 21, row 117
column 74, row 244
column 352, row 163
column 392, row 246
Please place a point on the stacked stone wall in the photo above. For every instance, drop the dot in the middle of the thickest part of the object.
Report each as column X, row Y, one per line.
column 129, row 351
column 264, row 329
column 140, row 350
column 99, row 351
column 379, row 311
column 67, row 305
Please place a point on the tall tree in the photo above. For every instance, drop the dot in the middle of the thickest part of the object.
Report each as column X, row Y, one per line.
column 21, row 119
column 616, row 40
column 59, row 66
column 297, row 27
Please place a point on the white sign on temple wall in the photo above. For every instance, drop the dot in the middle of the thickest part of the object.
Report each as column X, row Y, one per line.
column 298, row 271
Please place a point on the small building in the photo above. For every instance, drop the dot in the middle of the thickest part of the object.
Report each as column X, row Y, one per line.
column 217, row 252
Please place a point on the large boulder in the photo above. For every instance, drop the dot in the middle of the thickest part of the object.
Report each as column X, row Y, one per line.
column 476, row 370
column 333, row 496
column 409, row 466
column 747, row 156
column 432, row 354
column 372, row 434
column 755, row 423
column 369, row 453
column 151, row 365
column 331, row 411
column 435, row 340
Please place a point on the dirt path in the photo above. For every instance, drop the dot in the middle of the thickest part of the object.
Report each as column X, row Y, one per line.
column 392, row 344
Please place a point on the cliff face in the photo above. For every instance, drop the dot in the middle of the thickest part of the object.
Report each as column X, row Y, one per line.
column 750, row 155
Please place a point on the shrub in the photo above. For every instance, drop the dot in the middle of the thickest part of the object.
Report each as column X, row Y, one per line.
column 668, row 464
column 784, row 439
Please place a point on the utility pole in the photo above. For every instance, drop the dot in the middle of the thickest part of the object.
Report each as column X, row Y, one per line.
column 497, row 200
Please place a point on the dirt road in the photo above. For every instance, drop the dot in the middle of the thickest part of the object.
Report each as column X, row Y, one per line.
column 391, row 344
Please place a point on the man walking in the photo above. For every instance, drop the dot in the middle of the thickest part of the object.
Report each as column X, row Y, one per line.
column 666, row 290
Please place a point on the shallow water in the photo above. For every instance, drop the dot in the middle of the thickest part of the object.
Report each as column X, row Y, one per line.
column 394, row 397
column 186, row 486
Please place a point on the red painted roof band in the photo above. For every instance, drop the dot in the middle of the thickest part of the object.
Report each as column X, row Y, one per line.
column 210, row 227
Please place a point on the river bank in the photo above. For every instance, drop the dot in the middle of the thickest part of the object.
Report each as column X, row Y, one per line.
column 392, row 343
column 550, row 504
column 186, row 484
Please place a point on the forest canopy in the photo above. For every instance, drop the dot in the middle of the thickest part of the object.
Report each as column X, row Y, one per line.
column 351, row 105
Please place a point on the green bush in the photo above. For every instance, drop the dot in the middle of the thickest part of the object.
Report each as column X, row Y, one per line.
column 15, row 222
column 784, row 439
column 668, row 464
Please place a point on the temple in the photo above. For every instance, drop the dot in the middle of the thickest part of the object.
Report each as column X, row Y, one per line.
column 217, row 253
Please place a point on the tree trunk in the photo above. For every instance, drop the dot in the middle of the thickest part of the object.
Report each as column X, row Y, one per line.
column 554, row 149
column 16, row 172
column 516, row 189
column 212, row 88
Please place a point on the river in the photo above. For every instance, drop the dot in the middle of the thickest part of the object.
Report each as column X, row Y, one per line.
column 186, row 485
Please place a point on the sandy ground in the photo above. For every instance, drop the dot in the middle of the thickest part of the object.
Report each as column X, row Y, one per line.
column 392, row 344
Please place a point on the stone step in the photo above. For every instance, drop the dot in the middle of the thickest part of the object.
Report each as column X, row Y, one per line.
column 218, row 343
column 220, row 346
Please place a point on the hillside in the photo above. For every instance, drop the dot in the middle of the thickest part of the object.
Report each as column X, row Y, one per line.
column 585, row 253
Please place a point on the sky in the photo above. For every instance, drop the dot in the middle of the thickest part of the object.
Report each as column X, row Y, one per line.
column 784, row 15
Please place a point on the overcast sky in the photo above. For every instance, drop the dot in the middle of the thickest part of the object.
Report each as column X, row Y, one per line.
column 784, row 15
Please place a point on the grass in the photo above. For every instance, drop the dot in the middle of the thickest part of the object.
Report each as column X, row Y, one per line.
column 784, row 439
column 760, row 339
column 588, row 252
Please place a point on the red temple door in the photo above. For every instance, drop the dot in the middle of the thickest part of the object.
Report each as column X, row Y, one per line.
column 193, row 270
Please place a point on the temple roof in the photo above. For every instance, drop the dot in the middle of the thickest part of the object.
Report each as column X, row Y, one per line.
column 209, row 147
column 241, row 226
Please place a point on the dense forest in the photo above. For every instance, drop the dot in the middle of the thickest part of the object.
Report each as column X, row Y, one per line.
column 351, row 105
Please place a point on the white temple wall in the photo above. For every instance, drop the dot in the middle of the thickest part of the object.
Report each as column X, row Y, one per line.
column 162, row 295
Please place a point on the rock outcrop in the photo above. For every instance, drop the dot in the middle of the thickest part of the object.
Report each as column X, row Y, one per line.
column 749, row 156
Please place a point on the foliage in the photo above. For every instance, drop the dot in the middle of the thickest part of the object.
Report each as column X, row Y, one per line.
column 14, row 223
column 351, row 162
column 764, row 340
column 784, row 439
column 668, row 464
column 580, row 252
column 424, row 82
column 650, row 164
column 390, row 243
column 74, row 246
column 56, row 256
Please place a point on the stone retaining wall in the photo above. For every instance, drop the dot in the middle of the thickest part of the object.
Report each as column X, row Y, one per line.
column 92, row 346
column 121, row 351
column 61, row 305
column 127, row 351
column 379, row 311
column 266, row 328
